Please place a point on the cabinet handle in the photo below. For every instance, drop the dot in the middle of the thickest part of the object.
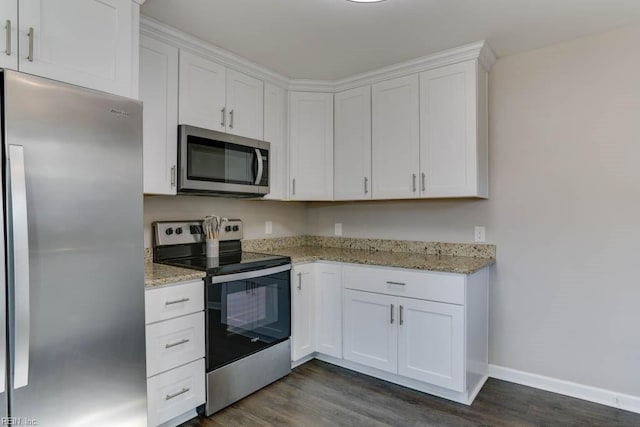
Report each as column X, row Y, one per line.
column 8, row 29
column 178, row 301
column 401, row 311
column 414, row 182
column 30, row 36
column 173, row 175
column 294, row 187
column 424, row 177
column 223, row 122
column 176, row 394
column 396, row 283
column 391, row 314
column 300, row 281
column 366, row 185
column 174, row 344
column 231, row 119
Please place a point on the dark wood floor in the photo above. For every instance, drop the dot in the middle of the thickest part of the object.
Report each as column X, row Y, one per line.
column 321, row 394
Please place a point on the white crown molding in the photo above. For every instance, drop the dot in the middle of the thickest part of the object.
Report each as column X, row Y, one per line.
column 140, row 2
column 157, row 30
column 614, row 399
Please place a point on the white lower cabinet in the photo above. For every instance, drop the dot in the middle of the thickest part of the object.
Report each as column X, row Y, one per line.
column 302, row 310
column 328, row 310
column 175, row 342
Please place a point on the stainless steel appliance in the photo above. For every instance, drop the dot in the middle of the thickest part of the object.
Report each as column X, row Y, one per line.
column 248, row 312
column 71, row 276
column 220, row 164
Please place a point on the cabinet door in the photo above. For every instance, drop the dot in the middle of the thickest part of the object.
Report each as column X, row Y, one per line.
column 329, row 309
column 9, row 34
column 395, row 138
column 85, row 42
column 202, row 93
column 352, row 157
column 159, row 93
column 302, row 318
column 275, row 125
column 245, row 105
column 370, row 331
column 431, row 342
column 448, row 158
column 311, row 145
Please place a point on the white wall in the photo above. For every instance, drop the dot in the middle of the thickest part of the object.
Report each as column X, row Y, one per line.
column 289, row 218
column 564, row 211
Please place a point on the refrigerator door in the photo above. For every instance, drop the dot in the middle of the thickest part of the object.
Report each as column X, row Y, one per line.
column 77, row 332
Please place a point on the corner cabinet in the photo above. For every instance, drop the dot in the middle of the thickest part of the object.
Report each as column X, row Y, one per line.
column 90, row 43
column 275, row 132
column 352, row 156
column 453, row 131
column 311, row 145
column 159, row 93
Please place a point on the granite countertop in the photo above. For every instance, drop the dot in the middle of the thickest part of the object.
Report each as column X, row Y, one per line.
column 418, row 261
column 160, row 274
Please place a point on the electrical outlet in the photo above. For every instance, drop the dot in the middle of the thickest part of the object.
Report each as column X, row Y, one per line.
column 479, row 234
column 338, row 229
column 268, row 227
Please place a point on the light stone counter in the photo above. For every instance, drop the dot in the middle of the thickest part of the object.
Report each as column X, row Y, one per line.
column 160, row 274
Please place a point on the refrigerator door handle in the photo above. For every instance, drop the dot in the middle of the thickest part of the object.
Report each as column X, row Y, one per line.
column 20, row 246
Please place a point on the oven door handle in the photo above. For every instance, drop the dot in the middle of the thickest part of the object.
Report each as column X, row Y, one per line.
column 250, row 274
column 260, row 167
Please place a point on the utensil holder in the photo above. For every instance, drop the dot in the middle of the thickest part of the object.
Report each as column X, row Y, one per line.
column 213, row 248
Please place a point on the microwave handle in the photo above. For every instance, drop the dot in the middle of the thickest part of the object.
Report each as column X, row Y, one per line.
column 260, row 167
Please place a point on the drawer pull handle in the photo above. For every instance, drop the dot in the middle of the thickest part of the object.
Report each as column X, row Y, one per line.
column 184, row 341
column 178, row 301
column 176, row 394
column 396, row 283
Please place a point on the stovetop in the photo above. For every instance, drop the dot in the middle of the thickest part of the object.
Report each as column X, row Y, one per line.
column 229, row 263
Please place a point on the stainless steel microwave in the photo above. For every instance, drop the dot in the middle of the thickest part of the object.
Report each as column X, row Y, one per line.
column 219, row 164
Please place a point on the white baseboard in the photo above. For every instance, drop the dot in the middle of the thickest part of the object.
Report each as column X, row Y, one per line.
column 626, row 402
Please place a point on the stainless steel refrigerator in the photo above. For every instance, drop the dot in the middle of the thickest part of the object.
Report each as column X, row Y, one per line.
column 72, row 349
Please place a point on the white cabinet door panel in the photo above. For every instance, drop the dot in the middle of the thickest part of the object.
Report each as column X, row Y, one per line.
column 245, row 105
column 352, row 157
column 448, row 131
column 275, row 125
column 395, row 138
column 9, row 34
column 370, row 331
column 431, row 342
column 302, row 313
column 159, row 93
column 202, row 93
column 328, row 309
column 84, row 42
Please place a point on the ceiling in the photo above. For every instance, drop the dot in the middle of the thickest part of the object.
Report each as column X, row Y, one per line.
column 333, row 39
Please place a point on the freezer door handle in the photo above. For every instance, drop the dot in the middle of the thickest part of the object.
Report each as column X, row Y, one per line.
column 20, row 256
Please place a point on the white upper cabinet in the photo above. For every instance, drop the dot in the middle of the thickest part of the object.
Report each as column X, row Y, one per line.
column 245, row 105
column 452, row 142
column 395, row 138
column 275, row 132
column 352, row 157
column 91, row 43
column 9, row 34
column 202, row 93
column 159, row 93
column 311, row 145
column 214, row 97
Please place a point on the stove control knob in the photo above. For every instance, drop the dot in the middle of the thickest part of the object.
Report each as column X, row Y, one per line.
column 169, row 231
column 179, row 230
column 227, row 228
column 236, row 228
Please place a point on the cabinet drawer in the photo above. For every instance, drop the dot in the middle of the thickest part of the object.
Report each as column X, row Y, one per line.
column 175, row 392
column 173, row 301
column 174, row 342
column 442, row 287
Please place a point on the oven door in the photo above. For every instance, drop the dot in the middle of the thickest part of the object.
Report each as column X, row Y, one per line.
column 246, row 313
column 216, row 162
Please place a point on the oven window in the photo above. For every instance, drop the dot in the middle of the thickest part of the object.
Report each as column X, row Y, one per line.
column 210, row 160
column 245, row 316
